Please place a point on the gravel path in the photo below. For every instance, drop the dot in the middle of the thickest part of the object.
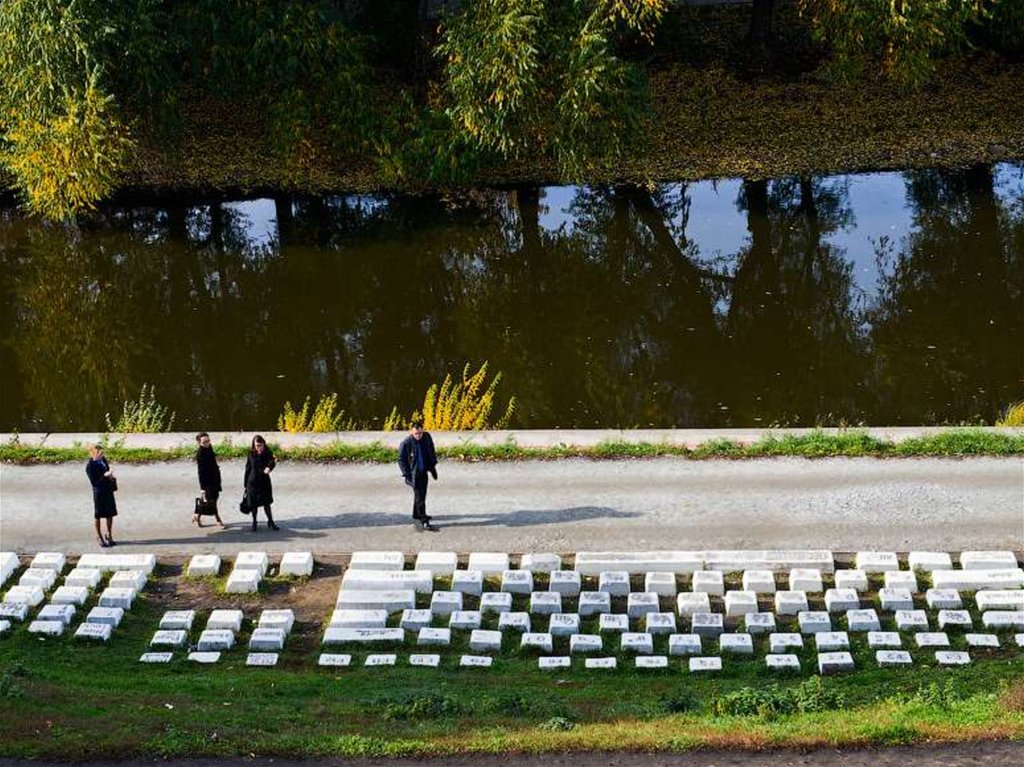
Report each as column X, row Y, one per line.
column 844, row 504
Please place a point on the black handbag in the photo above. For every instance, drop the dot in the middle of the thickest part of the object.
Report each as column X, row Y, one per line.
column 204, row 508
column 243, row 505
column 113, row 484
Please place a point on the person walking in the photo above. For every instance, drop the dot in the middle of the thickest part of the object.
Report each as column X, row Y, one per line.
column 209, row 482
column 258, row 489
column 417, row 459
column 101, row 477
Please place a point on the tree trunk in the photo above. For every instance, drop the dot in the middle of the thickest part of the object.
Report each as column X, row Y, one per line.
column 761, row 25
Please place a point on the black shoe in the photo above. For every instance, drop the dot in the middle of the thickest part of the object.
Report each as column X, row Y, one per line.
column 110, row 541
column 430, row 528
column 254, row 525
column 417, row 525
column 273, row 526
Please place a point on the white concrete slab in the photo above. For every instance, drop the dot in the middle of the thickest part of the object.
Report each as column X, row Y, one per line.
column 201, row 565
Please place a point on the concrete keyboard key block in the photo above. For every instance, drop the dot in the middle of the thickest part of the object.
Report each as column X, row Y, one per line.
column 806, row 580
column 5, row 626
column 600, row 663
column 8, row 564
column 465, row 620
column 759, row 581
column 999, row 599
column 157, row 657
column 637, row 642
column 214, row 640
column 650, row 662
column 169, row 638
column 704, row 665
column 952, row 658
column 708, row 625
column 390, row 601
column 852, row 579
column 841, row 600
column 98, row 632
column 88, row 577
column 14, row 611
column 614, row 582
column 565, row 582
column 782, row 662
column 688, row 603
column 110, row 562
column 261, row 659
column 230, row 620
column 888, row 658
column 895, row 599
column 876, row 561
column 412, row 620
column 594, row 603
column 114, row 597
column 203, row 564
column 929, row 561
column 204, row 657
column 813, row 621
column 976, row 580
column 931, row 639
column 380, row 659
column 541, row 562
column 585, row 643
column 884, row 639
column 709, row 582
column 531, row 640
column 468, row 582
column 984, row 560
column 49, row 560
column 1003, row 620
column 366, row 619
column 363, row 636
column 437, row 562
column 545, row 602
column 337, row 660
column 945, row 599
column 1019, row 639
column 659, row 623
column 564, row 624
column 481, row 640
column 862, row 620
column 420, row 581
column 740, row 603
column 252, row 560
column 297, row 563
column 47, row 628
column 613, row 623
column 981, row 640
column 24, row 595
column 243, row 582
column 488, row 562
column 911, row 620
column 596, row 562
column 517, row 581
column 640, row 603
column 662, row 584
column 781, row 643
column 128, row 579
column 267, row 640
column 277, row 619
column 64, row 613
column 902, row 579
column 554, row 663
column 434, row 637
column 759, row 623
column 960, row 619
column 776, row 560
column 475, row 661
column 684, row 644
column 378, row 560
column 495, row 602
column 514, row 621
column 425, row 659
column 445, row 603
column 834, row 662
column 790, row 602
column 69, row 595
column 111, row 616
column 44, row 579
column 736, row 644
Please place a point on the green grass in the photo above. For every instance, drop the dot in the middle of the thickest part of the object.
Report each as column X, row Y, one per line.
column 955, row 442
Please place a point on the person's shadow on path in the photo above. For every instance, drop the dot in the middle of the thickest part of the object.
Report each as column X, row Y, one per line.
column 516, row 518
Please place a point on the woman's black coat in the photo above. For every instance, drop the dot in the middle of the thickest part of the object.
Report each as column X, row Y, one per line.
column 209, row 472
column 258, row 490
column 103, row 501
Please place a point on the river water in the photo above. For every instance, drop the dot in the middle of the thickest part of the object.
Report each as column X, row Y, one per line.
column 883, row 298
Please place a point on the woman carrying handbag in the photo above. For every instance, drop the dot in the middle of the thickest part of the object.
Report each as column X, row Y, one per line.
column 209, row 482
column 258, row 489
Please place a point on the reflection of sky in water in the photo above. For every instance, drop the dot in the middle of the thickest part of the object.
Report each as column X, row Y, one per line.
column 260, row 222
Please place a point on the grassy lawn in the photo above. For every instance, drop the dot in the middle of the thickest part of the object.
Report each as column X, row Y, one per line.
column 63, row 699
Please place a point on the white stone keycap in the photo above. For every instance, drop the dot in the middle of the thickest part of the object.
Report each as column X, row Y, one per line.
column 514, row 621
column 806, row 580
column 709, row 582
column 157, row 657
column 862, row 620
column 481, row 640
column 5, row 626
column 267, row 640
column 960, row 619
column 759, row 623
column 297, row 563
column 911, row 620
column 420, row 581
column 759, row 581
column 114, row 597
column 488, row 562
column 981, row 640
column 44, row 579
column 540, row 562
column 688, row 603
column 468, row 582
column 931, row 639
column 566, row 582
column 585, row 643
column 475, row 661
column 929, row 561
column 831, row 641
column 429, row 660
column 776, row 560
column 564, row 624
column 14, row 611
column 902, row 579
column 944, row 599
column 594, row 603
column 110, row 616
column 895, row 599
column 852, row 579
column 536, row 641
column 659, row 623
column 952, row 658
column 389, row 601
column 431, row 637
column 1019, row 639
column 69, row 595
column 662, row 584
column 243, row 582
column 377, row 560
column 984, row 560
column 64, row 613
column 110, row 562
column 705, row 664
column 999, row 599
column 128, row 579
column 736, row 644
column 363, row 619
column 780, row 643
column 252, row 560
column 650, row 661
column 596, row 562
column 884, row 639
column 203, row 565
column 517, row 581
column 168, row 638
column 334, row 659
column 708, row 625
column 445, row 602
column 887, row 658
column 637, row 642
column 215, row 640
column 495, row 602
column 790, row 602
column 277, row 619
column 437, row 562
column 782, row 662
column 976, row 580
column 48, row 560
column 261, row 659
column 610, row 623
column 230, row 620
column 640, row 603
column 8, row 564
column 600, row 663
column 47, row 628
column 876, row 561
column 363, row 636
column 614, row 582
column 684, row 644
column 412, row 620
column 380, row 659
column 545, row 602
column 813, row 621
column 1003, row 620
column 834, row 662
column 740, row 603
column 88, row 577
column 841, row 600
column 465, row 620
column 553, row 663
column 204, row 657
column 99, row 632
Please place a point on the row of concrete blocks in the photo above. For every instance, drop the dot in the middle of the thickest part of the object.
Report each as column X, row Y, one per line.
column 272, row 629
column 293, row 563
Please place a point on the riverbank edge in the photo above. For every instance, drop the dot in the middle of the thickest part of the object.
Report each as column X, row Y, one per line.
column 539, row 444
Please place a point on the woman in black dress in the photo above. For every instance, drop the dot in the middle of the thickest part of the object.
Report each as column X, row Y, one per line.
column 209, row 481
column 258, row 490
column 101, row 476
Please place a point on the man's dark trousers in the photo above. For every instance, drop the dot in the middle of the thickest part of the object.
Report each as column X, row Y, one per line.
column 419, row 496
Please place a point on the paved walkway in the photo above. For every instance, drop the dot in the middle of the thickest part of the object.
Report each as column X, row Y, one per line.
column 838, row 504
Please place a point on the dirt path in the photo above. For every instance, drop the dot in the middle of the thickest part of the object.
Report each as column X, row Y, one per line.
column 842, row 504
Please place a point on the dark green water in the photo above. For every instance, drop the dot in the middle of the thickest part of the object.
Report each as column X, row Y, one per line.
column 888, row 298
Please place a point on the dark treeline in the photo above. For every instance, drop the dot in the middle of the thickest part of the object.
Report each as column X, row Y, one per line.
column 616, row 318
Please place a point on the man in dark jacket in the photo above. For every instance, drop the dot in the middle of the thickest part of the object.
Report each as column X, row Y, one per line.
column 417, row 459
